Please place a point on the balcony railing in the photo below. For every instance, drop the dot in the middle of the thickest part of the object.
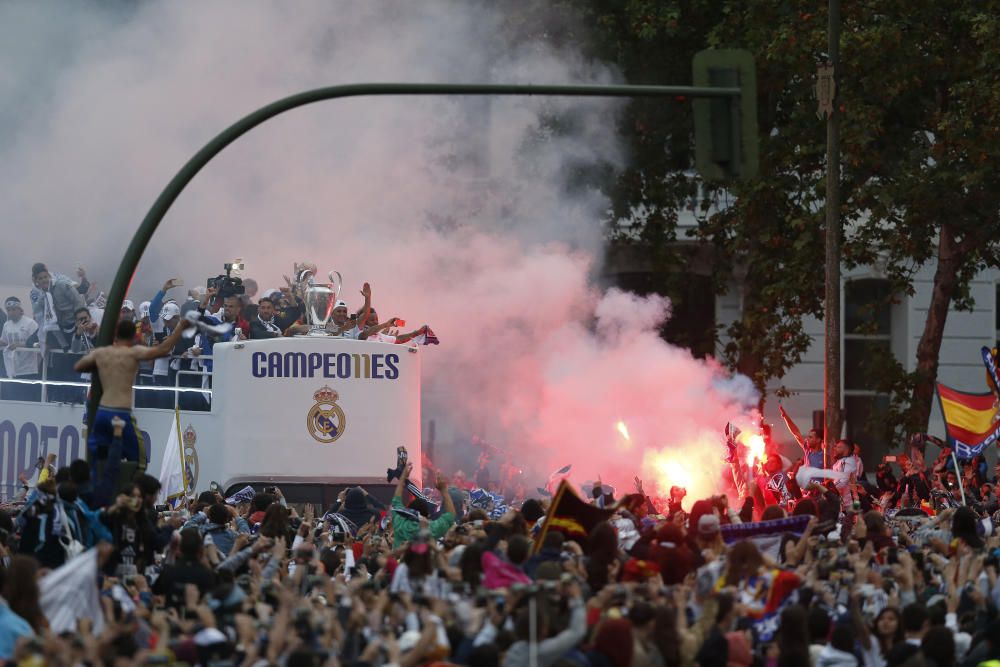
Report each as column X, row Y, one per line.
column 58, row 383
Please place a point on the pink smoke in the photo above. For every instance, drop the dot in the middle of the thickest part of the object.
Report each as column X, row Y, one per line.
column 457, row 211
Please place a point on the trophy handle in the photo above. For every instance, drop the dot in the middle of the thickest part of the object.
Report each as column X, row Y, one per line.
column 304, row 276
column 337, row 283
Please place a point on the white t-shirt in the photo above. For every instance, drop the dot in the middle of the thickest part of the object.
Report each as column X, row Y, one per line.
column 19, row 362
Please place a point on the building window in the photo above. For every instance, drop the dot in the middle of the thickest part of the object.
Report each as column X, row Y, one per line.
column 867, row 343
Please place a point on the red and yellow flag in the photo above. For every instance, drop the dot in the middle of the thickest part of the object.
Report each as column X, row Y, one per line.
column 971, row 420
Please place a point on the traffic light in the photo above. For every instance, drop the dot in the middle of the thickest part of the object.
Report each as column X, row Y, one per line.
column 725, row 128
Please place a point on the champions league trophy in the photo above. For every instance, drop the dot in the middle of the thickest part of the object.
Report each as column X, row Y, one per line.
column 319, row 298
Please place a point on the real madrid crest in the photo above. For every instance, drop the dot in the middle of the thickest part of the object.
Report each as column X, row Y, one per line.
column 326, row 420
column 190, row 438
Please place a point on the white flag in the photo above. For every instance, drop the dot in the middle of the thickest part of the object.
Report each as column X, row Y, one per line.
column 70, row 593
column 172, row 468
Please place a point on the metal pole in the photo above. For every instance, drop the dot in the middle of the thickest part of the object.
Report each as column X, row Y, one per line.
column 533, row 630
column 831, row 316
column 958, row 474
column 177, row 184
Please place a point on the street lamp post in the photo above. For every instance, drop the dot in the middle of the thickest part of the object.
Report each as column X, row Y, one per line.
column 190, row 169
column 831, row 315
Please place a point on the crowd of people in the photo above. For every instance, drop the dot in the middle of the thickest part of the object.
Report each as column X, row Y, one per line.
column 98, row 571
column 802, row 560
column 66, row 314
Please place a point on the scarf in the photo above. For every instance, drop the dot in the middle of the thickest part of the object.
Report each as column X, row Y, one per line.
column 269, row 325
column 50, row 322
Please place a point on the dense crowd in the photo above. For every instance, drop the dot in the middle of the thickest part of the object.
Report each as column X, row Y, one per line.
column 66, row 314
column 97, row 572
column 797, row 562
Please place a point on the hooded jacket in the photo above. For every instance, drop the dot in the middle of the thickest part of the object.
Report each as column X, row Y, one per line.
column 65, row 300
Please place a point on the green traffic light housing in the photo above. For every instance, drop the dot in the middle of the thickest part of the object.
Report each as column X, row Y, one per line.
column 725, row 128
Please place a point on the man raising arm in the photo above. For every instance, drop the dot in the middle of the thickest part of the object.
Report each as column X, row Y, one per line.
column 812, row 446
column 117, row 365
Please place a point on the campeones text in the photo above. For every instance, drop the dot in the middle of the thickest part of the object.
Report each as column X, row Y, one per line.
column 325, row 365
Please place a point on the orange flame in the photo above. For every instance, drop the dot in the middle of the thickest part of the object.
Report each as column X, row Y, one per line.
column 755, row 448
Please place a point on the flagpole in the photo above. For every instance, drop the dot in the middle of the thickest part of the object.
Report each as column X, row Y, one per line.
column 180, row 444
column 958, row 474
column 548, row 516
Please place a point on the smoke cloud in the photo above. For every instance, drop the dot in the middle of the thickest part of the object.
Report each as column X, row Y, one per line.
column 465, row 213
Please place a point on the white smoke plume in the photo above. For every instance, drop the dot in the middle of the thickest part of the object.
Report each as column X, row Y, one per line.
column 459, row 212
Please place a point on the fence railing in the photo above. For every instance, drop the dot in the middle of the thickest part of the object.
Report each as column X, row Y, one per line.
column 57, row 382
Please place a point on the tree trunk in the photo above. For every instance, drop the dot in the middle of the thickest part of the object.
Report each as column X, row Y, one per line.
column 748, row 362
column 950, row 257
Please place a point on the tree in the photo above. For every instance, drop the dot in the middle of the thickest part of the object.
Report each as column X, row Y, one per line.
column 926, row 151
column 919, row 96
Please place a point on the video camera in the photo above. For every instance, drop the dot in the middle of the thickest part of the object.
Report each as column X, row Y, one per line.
column 226, row 285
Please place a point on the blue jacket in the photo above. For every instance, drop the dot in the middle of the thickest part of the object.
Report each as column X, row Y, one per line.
column 12, row 628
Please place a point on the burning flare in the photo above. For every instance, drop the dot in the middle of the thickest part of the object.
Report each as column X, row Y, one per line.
column 755, row 448
column 623, row 429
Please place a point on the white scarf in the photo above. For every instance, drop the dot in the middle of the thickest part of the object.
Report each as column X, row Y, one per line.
column 269, row 325
column 50, row 322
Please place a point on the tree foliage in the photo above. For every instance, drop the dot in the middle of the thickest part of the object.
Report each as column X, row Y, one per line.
column 918, row 97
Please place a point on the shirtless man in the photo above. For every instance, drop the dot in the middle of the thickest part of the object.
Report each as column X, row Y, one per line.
column 117, row 365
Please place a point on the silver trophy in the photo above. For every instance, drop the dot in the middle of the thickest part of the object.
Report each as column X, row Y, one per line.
column 319, row 298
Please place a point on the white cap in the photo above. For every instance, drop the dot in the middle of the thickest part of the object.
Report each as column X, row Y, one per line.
column 170, row 311
column 340, row 304
column 144, row 309
column 128, row 304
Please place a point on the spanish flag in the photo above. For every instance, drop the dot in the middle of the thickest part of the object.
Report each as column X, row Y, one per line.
column 971, row 420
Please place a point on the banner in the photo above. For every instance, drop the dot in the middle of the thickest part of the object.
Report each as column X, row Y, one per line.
column 737, row 532
column 971, row 420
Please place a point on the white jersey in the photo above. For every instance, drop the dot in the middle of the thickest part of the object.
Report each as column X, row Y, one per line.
column 19, row 362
